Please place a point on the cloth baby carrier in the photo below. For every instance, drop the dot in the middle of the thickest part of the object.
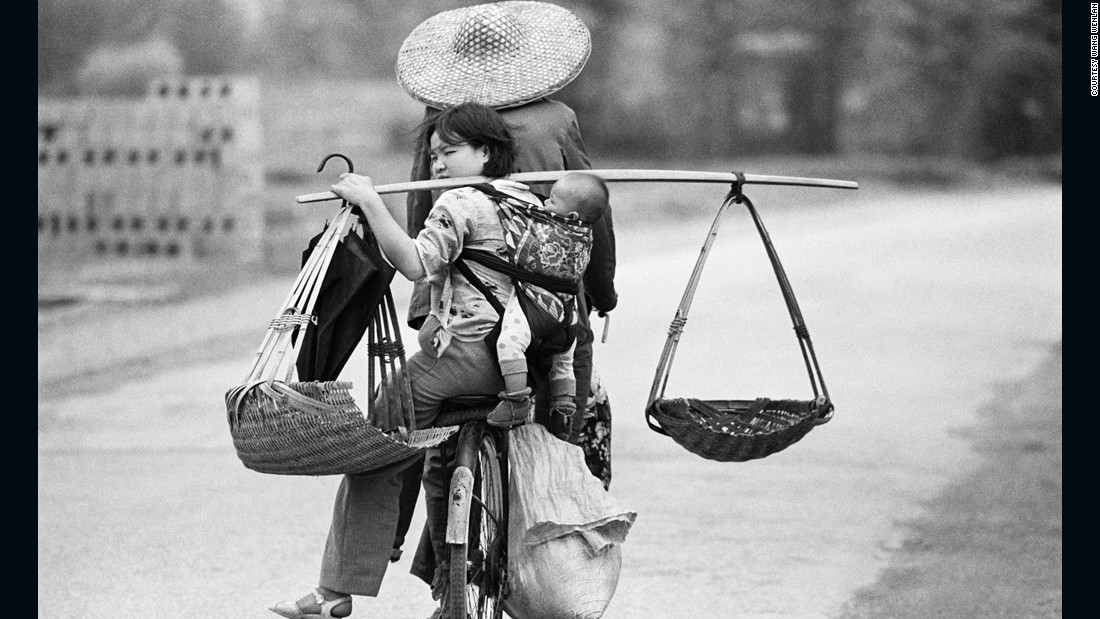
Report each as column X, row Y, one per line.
column 544, row 266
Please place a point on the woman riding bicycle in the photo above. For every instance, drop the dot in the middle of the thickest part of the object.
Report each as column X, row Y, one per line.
column 511, row 56
column 466, row 140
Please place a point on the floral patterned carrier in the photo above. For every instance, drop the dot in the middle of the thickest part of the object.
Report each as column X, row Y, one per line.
column 542, row 243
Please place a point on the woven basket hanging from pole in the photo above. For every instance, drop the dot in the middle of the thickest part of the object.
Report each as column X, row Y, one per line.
column 288, row 427
column 737, row 430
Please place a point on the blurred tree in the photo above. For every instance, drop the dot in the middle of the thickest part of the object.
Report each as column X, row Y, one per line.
column 206, row 33
column 383, row 26
column 338, row 38
column 601, row 125
column 727, row 77
column 989, row 73
column 695, row 78
column 703, row 69
column 300, row 39
column 813, row 47
column 125, row 70
column 67, row 30
column 1020, row 83
column 752, row 76
column 832, row 64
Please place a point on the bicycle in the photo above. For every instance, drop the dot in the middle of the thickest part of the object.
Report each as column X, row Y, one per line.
column 476, row 467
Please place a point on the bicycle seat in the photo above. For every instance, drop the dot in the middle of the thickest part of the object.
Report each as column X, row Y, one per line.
column 462, row 408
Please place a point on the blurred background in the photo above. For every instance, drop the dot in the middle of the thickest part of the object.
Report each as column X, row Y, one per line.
column 174, row 135
column 699, row 78
column 898, row 92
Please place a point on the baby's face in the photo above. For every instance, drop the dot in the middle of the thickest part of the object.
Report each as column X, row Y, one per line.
column 558, row 202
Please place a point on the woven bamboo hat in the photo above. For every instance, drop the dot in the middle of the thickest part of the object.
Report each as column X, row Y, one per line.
column 502, row 54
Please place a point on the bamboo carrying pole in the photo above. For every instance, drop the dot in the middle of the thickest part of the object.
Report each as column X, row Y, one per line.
column 670, row 176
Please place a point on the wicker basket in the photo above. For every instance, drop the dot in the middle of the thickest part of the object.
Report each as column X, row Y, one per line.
column 288, row 427
column 283, row 435
column 736, row 430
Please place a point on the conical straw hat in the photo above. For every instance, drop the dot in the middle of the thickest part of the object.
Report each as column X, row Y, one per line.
column 502, row 54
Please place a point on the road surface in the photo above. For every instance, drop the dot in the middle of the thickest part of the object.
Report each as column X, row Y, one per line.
column 919, row 305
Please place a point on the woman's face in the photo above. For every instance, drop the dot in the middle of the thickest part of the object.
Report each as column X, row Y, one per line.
column 455, row 160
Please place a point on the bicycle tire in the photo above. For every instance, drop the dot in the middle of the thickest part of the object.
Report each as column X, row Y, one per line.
column 476, row 569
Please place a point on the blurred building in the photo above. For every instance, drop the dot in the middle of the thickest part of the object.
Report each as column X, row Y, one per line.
column 173, row 175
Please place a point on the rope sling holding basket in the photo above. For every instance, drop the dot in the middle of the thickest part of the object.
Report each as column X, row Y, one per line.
column 288, row 427
column 737, row 430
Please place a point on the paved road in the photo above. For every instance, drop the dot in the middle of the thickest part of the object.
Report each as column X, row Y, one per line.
column 918, row 304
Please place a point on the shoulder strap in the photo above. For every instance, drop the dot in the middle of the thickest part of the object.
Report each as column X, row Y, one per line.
column 530, row 209
column 500, row 196
column 464, row 268
column 485, row 259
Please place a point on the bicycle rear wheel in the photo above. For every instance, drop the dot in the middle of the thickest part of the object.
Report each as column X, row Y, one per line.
column 477, row 568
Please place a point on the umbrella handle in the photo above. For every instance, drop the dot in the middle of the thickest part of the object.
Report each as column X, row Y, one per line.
column 351, row 168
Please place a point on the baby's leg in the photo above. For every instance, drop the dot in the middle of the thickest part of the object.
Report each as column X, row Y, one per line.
column 563, row 384
column 563, row 390
column 515, row 337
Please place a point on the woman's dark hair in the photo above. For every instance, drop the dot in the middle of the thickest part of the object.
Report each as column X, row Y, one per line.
column 477, row 125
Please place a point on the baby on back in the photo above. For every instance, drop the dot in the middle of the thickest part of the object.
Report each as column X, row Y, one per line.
column 579, row 193
column 577, row 196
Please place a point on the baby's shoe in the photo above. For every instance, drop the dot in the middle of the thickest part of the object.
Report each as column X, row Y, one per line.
column 513, row 410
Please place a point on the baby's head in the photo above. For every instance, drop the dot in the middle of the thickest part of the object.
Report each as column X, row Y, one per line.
column 581, row 193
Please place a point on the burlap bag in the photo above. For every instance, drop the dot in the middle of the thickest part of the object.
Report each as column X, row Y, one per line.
column 564, row 532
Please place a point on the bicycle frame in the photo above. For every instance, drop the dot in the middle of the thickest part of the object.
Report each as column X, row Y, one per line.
column 462, row 493
column 458, row 508
column 477, row 512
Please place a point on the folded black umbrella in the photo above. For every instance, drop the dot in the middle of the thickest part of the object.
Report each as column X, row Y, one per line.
column 354, row 285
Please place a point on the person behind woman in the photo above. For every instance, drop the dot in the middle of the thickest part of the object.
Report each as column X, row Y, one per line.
column 465, row 140
column 510, row 56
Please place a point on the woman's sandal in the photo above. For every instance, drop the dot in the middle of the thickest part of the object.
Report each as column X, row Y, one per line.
column 324, row 608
